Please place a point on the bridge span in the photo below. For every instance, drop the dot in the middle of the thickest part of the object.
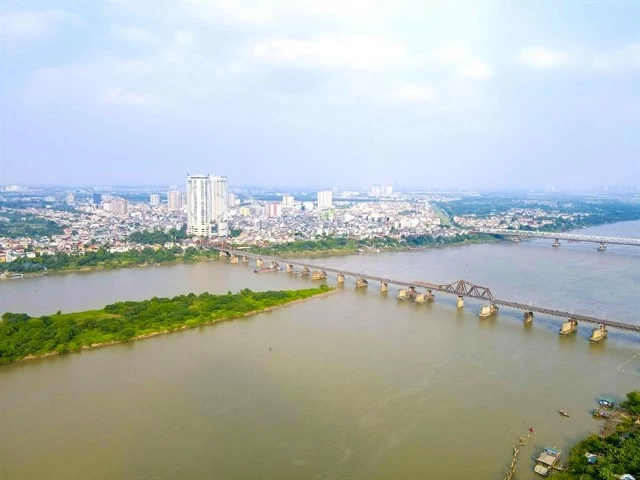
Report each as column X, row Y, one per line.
column 563, row 236
column 461, row 288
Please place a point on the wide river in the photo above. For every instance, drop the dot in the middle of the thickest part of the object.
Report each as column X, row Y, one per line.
column 351, row 386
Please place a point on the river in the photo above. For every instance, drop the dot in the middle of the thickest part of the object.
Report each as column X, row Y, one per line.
column 352, row 386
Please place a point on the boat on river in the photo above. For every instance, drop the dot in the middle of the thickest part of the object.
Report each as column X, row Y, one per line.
column 601, row 414
column 606, row 403
column 563, row 413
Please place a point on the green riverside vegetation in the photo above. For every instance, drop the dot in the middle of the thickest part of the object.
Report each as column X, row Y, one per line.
column 349, row 245
column 22, row 335
column 102, row 258
column 618, row 453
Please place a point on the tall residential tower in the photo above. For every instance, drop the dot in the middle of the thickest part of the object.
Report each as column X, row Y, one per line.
column 199, row 205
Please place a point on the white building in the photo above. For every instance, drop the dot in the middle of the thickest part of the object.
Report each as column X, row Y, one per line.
column 154, row 199
column 308, row 206
column 70, row 198
column 116, row 205
column 199, row 205
column 287, row 201
column 220, row 202
column 325, row 199
column 207, row 200
column 174, row 200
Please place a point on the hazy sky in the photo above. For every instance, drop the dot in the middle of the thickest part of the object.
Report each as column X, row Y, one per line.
column 329, row 93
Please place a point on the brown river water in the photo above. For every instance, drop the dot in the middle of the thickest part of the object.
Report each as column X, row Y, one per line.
column 351, row 386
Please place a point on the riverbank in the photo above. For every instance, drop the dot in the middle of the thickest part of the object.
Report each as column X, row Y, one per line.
column 615, row 451
column 23, row 337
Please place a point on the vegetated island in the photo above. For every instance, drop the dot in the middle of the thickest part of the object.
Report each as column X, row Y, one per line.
column 343, row 245
column 613, row 453
column 22, row 336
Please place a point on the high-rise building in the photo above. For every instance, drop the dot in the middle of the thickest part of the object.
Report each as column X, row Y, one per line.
column 117, row 206
column 387, row 190
column 325, row 199
column 174, row 200
column 273, row 210
column 154, row 199
column 70, row 198
column 199, row 205
column 231, row 200
column 287, row 201
column 220, row 205
column 97, row 198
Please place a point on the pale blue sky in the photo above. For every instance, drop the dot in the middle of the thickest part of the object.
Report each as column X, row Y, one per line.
column 460, row 94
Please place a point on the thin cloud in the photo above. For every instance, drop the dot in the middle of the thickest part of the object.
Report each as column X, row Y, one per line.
column 118, row 96
column 542, row 58
column 17, row 25
column 132, row 34
column 356, row 53
column 476, row 69
column 619, row 59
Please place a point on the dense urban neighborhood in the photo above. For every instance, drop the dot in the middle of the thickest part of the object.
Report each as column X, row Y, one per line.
column 41, row 230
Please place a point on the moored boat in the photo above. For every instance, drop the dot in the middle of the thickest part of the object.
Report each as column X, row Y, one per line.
column 606, row 403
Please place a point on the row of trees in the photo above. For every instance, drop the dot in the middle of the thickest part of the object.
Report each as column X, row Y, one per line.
column 102, row 258
column 22, row 335
column 159, row 237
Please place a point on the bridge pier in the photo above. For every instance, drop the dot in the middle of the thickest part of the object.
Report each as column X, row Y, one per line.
column 222, row 254
column 598, row 334
column 402, row 295
column 528, row 317
column 460, row 302
column 289, row 268
column 429, row 296
column 245, row 259
column 488, row 310
column 304, row 272
column 259, row 263
column 361, row 282
column 602, row 247
column 318, row 275
column 411, row 292
column 234, row 259
column 384, row 287
column 568, row 327
column 419, row 298
column 341, row 278
column 556, row 243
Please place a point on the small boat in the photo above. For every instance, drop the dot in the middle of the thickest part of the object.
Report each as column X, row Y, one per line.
column 606, row 403
column 601, row 414
column 563, row 413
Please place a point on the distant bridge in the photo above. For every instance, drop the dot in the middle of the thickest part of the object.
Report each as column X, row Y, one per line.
column 461, row 288
column 563, row 236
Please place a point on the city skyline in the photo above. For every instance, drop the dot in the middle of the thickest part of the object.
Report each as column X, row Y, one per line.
column 460, row 96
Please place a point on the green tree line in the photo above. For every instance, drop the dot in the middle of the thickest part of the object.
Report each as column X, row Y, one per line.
column 158, row 237
column 22, row 335
column 102, row 258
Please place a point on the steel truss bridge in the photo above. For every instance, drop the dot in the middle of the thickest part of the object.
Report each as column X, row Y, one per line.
column 461, row 288
column 563, row 236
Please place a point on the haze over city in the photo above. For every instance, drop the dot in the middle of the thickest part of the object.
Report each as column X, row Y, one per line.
column 463, row 95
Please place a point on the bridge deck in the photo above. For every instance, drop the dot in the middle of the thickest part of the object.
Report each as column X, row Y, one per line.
column 477, row 292
column 564, row 236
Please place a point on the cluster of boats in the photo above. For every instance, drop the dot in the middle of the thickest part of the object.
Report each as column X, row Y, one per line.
column 547, row 459
column 599, row 413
